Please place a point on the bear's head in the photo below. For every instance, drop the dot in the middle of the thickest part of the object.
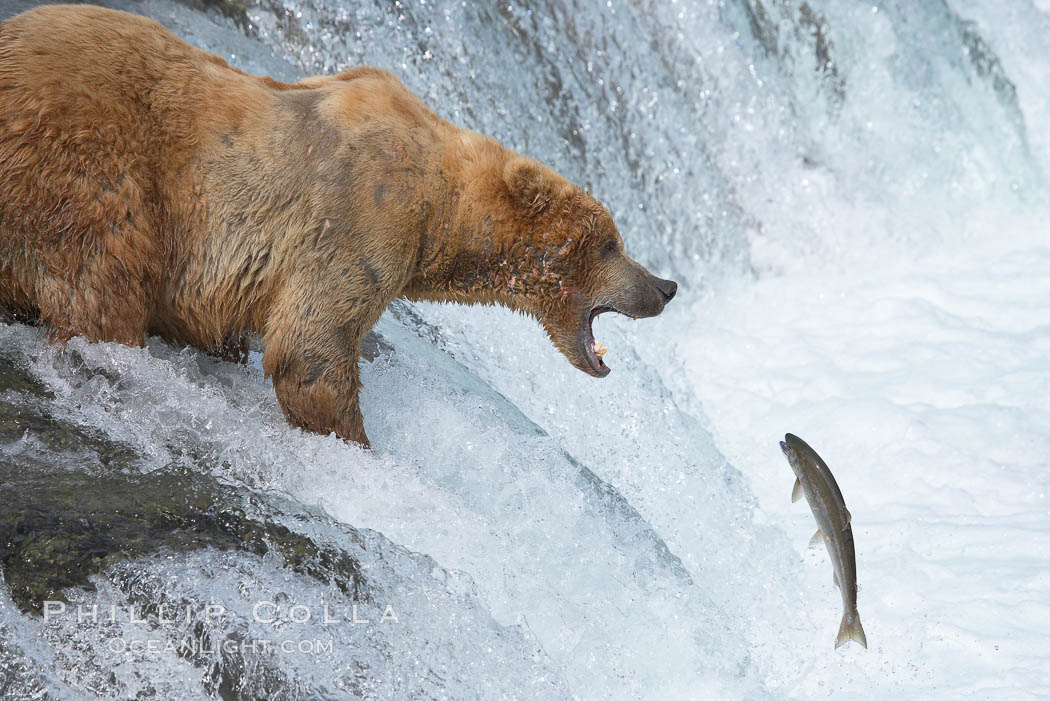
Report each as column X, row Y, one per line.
column 565, row 263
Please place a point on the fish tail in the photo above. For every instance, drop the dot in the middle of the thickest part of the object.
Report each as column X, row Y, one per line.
column 851, row 630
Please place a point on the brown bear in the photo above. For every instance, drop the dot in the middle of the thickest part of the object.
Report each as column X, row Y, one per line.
column 147, row 187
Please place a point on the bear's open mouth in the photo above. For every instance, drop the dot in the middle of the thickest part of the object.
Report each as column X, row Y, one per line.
column 591, row 350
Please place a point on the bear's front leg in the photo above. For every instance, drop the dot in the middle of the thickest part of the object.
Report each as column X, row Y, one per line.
column 315, row 375
column 323, row 405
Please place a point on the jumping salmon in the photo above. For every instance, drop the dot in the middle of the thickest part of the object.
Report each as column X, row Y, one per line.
column 815, row 481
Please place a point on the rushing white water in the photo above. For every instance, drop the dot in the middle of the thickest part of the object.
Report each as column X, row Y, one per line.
column 850, row 196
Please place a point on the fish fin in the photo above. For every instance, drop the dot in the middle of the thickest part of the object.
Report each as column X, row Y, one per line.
column 835, row 577
column 851, row 631
column 796, row 491
column 849, row 516
column 817, row 539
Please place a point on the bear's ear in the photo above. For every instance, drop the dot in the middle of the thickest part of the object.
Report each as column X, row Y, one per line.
column 528, row 187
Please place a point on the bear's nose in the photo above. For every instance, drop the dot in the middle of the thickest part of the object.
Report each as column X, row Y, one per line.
column 667, row 288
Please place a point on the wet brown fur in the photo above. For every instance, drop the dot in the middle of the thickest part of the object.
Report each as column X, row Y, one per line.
column 146, row 187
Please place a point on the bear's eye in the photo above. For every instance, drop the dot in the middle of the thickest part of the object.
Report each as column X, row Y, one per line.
column 609, row 249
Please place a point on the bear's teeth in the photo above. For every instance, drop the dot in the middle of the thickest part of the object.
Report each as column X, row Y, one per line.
column 600, row 350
